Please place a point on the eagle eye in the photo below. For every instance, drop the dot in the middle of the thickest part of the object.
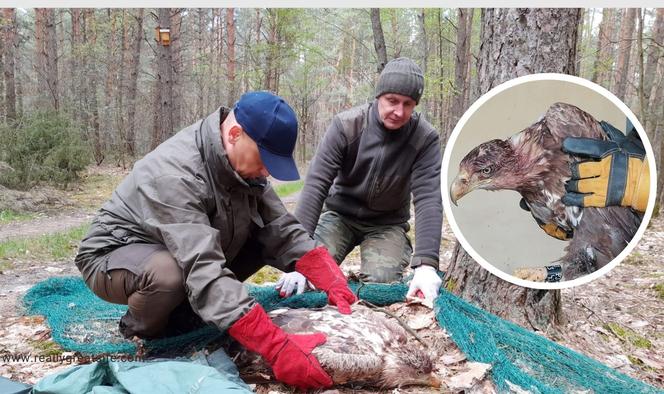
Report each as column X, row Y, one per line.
column 486, row 170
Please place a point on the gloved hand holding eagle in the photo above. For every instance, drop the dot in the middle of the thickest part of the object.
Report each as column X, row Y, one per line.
column 535, row 164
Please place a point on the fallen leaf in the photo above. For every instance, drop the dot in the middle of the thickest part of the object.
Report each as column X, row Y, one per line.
column 453, row 358
column 410, row 300
column 475, row 372
column 419, row 322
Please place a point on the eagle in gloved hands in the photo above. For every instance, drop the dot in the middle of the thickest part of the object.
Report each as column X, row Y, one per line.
column 532, row 163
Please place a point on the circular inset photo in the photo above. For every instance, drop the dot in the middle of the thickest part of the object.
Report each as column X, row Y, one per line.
column 548, row 181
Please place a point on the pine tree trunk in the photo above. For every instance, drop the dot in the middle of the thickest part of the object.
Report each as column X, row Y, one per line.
column 654, row 51
column 177, row 68
column 656, row 113
column 3, row 113
column 9, row 64
column 624, row 52
column 516, row 42
column 90, row 94
column 75, row 69
column 52, row 58
column 164, row 116
column 232, row 61
column 469, row 60
column 462, row 56
column 132, row 90
column 217, row 54
column 603, row 60
column 111, row 82
column 198, row 63
column 379, row 39
column 272, row 59
column 40, row 56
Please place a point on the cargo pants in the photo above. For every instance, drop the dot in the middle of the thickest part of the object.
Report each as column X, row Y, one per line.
column 147, row 279
column 385, row 250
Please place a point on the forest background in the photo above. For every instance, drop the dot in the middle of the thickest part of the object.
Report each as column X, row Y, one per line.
column 85, row 86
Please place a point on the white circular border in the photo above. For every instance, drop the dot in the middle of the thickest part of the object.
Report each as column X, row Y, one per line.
column 547, row 77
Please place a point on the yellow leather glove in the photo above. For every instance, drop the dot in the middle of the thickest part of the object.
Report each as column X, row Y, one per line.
column 551, row 229
column 617, row 173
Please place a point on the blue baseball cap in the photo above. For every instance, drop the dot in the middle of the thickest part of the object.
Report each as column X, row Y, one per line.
column 272, row 124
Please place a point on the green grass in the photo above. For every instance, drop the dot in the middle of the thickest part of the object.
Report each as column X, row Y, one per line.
column 628, row 335
column 47, row 348
column 96, row 189
column 57, row 246
column 635, row 258
column 659, row 288
column 265, row 274
column 286, row 189
column 13, row 216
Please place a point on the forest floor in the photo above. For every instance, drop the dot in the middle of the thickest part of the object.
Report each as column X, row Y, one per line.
column 617, row 319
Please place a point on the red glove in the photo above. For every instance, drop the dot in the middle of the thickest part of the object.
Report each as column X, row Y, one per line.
column 321, row 270
column 288, row 354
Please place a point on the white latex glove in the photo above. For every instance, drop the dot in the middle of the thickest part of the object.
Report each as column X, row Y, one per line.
column 292, row 283
column 426, row 280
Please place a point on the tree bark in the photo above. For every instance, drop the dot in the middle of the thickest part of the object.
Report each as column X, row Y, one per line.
column 461, row 65
column 164, row 116
column 513, row 48
column 9, row 64
column 75, row 86
column 46, row 54
column 272, row 61
column 603, row 60
column 132, row 90
column 111, row 83
column 199, row 61
column 516, row 42
column 656, row 125
column 379, row 39
column 177, row 67
column 469, row 60
column 640, row 87
column 230, row 50
column 654, row 51
column 90, row 94
column 52, row 58
column 217, row 54
column 624, row 51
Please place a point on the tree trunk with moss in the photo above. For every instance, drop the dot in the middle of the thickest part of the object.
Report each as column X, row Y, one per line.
column 516, row 42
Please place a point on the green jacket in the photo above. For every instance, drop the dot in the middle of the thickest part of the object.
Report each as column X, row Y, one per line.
column 186, row 196
column 367, row 172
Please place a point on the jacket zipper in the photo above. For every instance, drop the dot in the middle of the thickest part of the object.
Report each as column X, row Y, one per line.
column 374, row 168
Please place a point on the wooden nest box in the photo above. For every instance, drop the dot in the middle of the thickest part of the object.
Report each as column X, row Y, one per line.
column 163, row 36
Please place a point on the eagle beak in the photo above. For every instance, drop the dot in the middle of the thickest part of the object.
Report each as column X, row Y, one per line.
column 460, row 187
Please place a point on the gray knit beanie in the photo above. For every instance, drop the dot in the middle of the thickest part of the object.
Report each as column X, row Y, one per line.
column 401, row 76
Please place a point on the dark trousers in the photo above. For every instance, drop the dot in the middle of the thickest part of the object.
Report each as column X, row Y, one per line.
column 147, row 279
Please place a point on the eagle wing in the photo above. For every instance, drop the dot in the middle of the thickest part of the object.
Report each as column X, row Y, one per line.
column 600, row 234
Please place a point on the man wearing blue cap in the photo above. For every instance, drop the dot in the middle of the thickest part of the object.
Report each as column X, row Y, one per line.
column 195, row 218
column 358, row 188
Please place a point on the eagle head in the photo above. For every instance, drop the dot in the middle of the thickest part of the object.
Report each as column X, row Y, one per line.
column 408, row 366
column 488, row 166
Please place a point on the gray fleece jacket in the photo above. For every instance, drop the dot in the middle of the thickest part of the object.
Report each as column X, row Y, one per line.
column 367, row 172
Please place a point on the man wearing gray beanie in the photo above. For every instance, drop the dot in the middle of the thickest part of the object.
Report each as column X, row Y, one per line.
column 359, row 184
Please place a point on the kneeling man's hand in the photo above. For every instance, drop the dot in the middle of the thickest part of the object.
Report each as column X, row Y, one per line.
column 293, row 283
column 426, row 280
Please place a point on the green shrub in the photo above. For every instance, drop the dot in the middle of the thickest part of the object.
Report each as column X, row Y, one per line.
column 43, row 147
